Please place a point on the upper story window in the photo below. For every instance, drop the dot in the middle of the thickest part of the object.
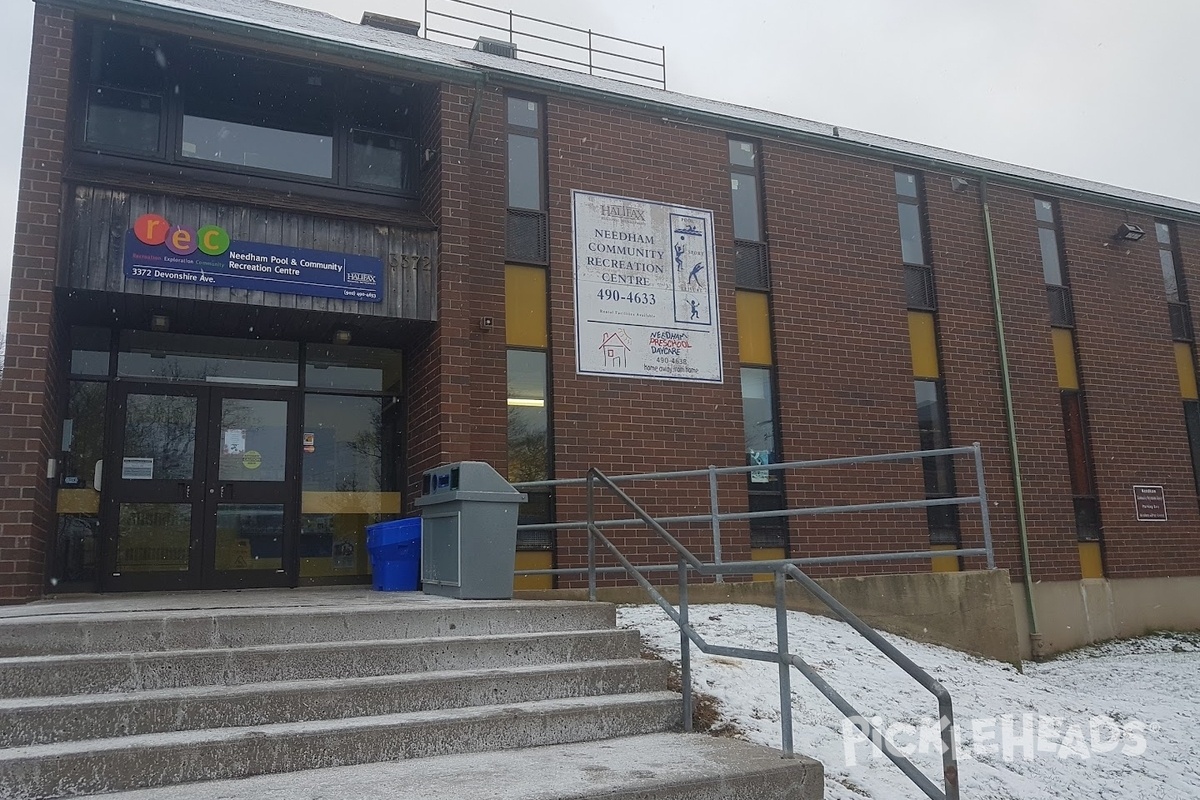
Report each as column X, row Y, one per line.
column 1047, row 223
column 525, row 154
column 166, row 99
column 1173, row 283
column 743, row 183
column 527, row 234
column 912, row 226
column 1058, row 292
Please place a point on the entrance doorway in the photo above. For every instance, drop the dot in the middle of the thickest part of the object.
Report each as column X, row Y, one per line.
column 203, row 492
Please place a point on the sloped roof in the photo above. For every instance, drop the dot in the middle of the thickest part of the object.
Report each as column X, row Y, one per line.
column 266, row 18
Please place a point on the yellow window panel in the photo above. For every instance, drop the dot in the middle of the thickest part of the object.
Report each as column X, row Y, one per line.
column 1185, row 366
column 534, row 559
column 1064, row 358
column 525, row 306
column 946, row 563
column 754, row 328
column 1091, row 565
column 350, row 503
column 78, row 501
column 922, row 339
column 766, row 554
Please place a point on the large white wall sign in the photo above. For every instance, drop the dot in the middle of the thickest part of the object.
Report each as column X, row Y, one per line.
column 645, row 290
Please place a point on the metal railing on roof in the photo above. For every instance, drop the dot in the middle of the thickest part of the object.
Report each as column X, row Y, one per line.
column 550, row 43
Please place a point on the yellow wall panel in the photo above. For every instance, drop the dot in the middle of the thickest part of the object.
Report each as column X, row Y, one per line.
column 922, row 339
column 754, row 328
column 525, row 306
column 1185, row 366
column 1091, row 565
column 1064, row 358
column 534, row 559
column 946, row 563
column 766, row 554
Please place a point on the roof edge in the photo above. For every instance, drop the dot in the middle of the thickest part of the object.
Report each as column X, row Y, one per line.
column 471, row 74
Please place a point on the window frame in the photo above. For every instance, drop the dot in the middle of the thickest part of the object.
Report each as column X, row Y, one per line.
column 345, row 93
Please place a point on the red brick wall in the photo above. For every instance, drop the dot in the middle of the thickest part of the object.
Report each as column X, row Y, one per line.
column 841, row 341
column 29, row 393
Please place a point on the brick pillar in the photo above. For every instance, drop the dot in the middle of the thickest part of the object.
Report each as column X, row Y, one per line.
column 28, row 390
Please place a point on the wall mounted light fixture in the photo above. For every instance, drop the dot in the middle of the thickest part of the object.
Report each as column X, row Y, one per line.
column 341, row 336
column 1128, row 233
column 160, row 323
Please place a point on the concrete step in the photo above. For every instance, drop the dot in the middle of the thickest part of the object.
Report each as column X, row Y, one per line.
column 51, row 676
column 36, row 721
column 652, row 767
column 106, row 765
column 49, row 633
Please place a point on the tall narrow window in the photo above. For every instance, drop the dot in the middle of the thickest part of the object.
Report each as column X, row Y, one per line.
column 764, row 487
column 1058, row 292
column 1084, row 496
column 933, row 426
column 750, row 261
column 527, row 232
column 1180, row 313
column 530, row 455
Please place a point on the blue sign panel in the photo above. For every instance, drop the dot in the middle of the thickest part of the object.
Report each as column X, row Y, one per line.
column 260, row 267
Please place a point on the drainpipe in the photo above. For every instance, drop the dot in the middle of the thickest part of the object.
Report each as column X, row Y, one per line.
column 1035, row 636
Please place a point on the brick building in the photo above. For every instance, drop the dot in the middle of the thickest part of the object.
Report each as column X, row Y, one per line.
column 271, row 265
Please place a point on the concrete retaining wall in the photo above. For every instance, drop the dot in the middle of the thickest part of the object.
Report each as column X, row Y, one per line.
column 968, row 611
column 1077, row 613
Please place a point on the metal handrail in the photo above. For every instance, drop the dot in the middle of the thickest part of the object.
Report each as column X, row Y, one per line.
column 781, row 656
column 656, row 56
column 715, row 516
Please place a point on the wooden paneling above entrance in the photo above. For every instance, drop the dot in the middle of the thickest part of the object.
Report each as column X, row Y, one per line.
column 100, row 217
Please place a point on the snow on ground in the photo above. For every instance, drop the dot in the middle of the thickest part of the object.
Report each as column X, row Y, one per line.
column 1119, row 721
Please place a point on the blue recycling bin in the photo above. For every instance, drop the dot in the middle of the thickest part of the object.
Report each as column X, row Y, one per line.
column 395, row 550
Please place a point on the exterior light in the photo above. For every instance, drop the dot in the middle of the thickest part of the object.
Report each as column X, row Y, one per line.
column 341, row 336
column 1128, row 233
column 160, row 323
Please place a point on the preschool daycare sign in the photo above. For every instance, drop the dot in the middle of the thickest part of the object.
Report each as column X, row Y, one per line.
column 645, row 290
column 156, row 250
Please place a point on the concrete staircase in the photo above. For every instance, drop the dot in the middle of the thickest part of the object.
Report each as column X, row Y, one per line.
column 114, row 695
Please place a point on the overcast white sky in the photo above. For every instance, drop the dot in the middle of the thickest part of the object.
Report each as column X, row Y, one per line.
column 1095, row 89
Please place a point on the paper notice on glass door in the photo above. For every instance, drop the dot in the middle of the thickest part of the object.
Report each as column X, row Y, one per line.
column 235, row 441
column 137, row 469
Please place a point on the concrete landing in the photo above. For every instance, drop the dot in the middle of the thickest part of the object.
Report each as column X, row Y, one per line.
column 659, row 766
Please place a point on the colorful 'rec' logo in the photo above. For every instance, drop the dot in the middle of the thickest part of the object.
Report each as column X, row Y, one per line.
column 153, row 229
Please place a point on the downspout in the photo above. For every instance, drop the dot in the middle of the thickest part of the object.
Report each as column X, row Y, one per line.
column 1035, row 636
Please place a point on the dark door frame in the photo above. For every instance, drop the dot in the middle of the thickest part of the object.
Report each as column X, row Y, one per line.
column 203, row 492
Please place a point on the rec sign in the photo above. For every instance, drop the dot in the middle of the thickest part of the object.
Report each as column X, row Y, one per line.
column 157, row 250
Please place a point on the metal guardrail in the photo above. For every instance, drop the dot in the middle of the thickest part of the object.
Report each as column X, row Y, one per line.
column 715, row 516
column 781, row 656
column 591, row 53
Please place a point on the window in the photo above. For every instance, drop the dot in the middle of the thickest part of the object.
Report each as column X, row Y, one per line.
column 938, row 472
column 527, row 240
column 1058, row 292
column 1178, row 308
column 750, row 263
column 918, row 275
column 528, row 431
column 1083, row 485
column 161, row 99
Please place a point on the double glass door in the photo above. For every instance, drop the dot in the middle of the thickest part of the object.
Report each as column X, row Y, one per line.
column 202, row 492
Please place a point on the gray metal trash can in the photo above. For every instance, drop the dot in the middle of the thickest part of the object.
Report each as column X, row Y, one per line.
column 468, row 532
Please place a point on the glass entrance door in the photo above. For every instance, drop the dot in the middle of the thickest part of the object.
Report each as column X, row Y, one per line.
column 202, row 492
